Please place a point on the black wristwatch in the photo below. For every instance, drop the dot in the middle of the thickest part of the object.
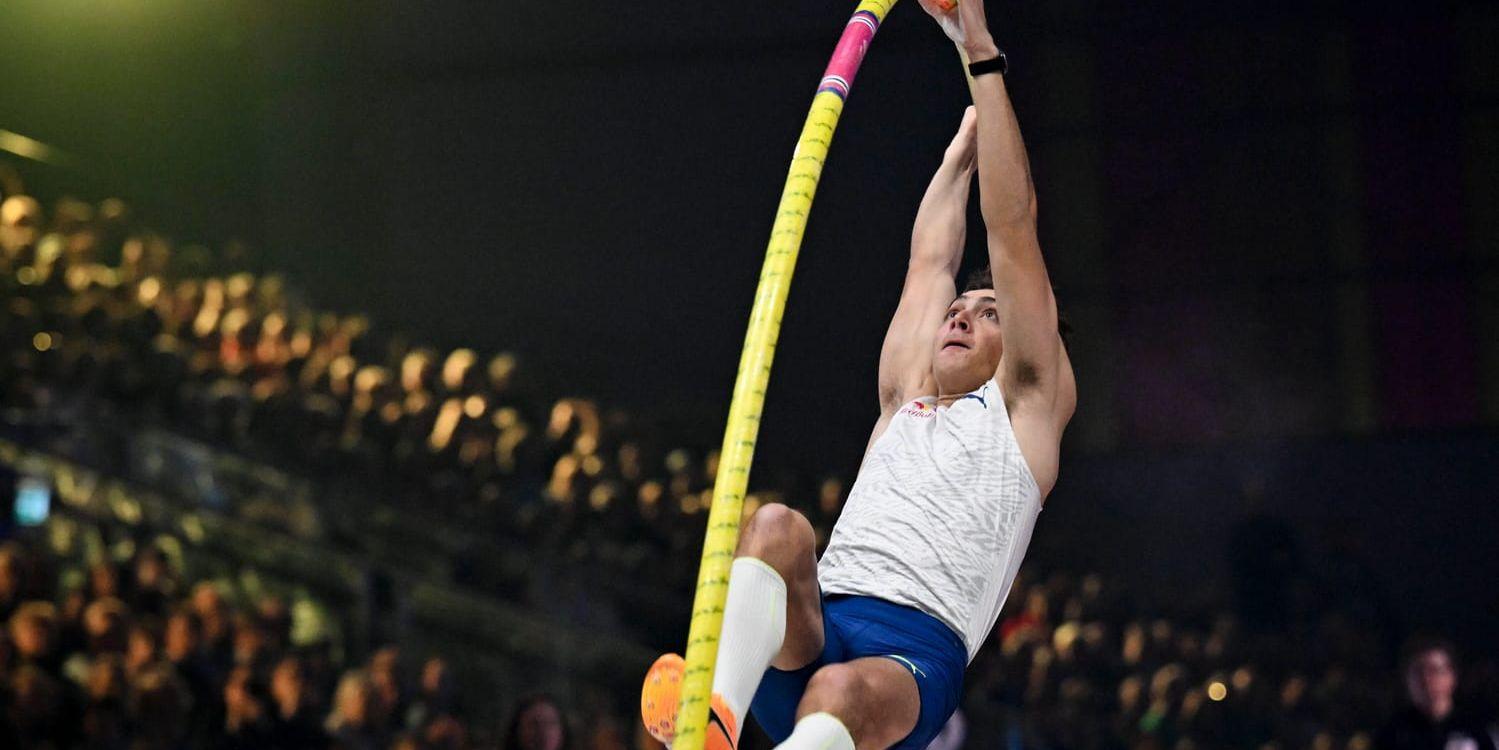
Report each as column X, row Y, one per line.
column 997, row 64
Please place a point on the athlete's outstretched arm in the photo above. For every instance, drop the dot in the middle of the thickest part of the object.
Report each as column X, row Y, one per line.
column 936, row 251
column 1033, row 359
column 1035, row 373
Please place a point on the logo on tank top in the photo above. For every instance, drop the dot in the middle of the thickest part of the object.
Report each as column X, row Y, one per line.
column 980, row 396
column 920, row 409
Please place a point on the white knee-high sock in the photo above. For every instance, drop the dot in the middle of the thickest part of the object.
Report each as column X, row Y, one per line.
column 819, row 731
column 754, row 626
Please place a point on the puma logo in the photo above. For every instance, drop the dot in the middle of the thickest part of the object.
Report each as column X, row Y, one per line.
column 979, row 396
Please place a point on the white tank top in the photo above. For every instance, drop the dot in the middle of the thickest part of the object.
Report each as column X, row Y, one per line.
column 940, row 515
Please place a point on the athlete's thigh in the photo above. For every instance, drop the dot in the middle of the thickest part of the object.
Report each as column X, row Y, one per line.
column 875, row 697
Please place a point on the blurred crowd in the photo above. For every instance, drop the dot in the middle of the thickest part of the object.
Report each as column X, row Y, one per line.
column 1082, row 662
column 129, row 656
column 106, row 322
column 103, row 318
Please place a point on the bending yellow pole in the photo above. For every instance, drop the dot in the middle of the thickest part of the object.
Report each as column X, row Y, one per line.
column 754, row 370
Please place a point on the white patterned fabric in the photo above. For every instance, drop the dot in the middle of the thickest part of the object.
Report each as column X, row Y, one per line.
column 940, row 515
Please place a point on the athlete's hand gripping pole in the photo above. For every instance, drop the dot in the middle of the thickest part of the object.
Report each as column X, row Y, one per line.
column 754, row 369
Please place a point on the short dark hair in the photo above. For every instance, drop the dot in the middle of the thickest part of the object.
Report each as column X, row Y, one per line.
column 983, row 278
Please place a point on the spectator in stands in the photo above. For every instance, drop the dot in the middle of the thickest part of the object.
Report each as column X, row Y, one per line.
column 537, row 724
column 294, row 725
column 352, row 724
column 216, row 631
column 274, row 618
column 143, row 647
column 105, row 721
column 152, row 586
column 20, row 228
column 445, row 733
column 184, row 653
column 104, row 580
column 34, row 712
column 406, row 741
column 33, row 632
column 1432, row 721
column 159, row 712
column 105, row 627
column 435, row 698
column 247, row 718
column 250, row 644
column 387, row 688
column 12, row 580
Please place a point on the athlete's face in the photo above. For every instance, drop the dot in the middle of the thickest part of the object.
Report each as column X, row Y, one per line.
column 968, row 343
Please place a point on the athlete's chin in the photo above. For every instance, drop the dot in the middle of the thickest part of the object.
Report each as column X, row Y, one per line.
column 959, row 379
column 949, row 364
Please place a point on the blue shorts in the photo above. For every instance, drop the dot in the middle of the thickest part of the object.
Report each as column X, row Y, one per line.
column 854, row 627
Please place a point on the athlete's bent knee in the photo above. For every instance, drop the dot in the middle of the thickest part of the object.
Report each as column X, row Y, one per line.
column 835, row 688
column 778, row 535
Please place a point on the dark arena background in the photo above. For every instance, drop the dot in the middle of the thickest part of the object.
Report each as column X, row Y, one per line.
column 364, row 365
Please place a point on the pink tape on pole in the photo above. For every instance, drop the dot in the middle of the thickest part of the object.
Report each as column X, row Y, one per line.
column 839, row 76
